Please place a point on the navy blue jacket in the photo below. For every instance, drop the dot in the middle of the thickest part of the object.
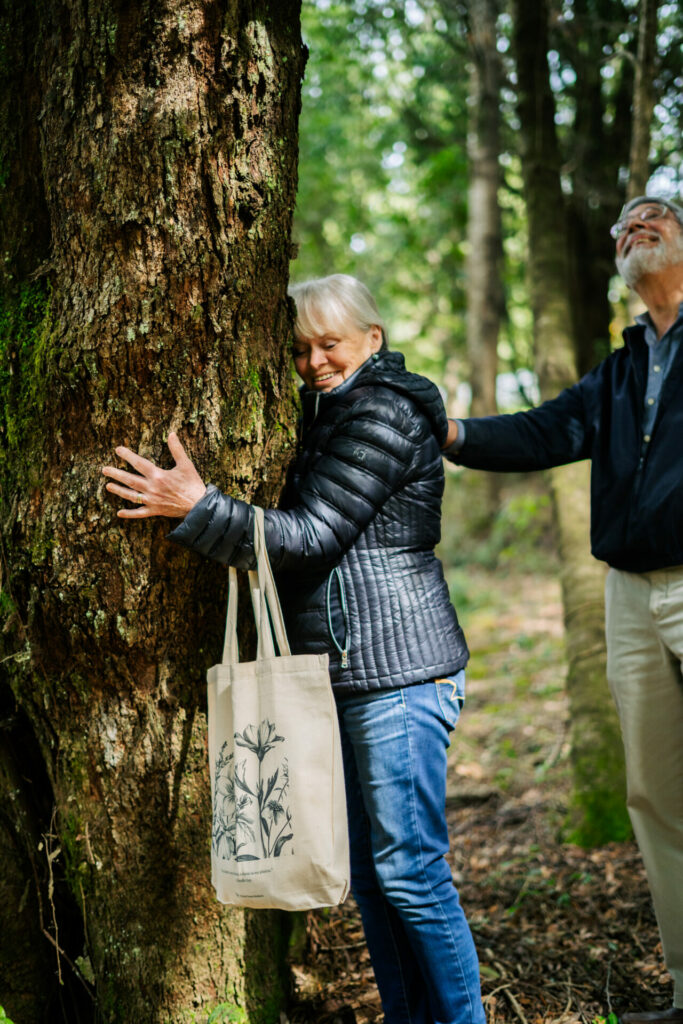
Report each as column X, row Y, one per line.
column 352, row 544
column 636, row 485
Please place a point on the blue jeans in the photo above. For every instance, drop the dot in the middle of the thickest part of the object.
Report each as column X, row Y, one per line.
column 394, row 745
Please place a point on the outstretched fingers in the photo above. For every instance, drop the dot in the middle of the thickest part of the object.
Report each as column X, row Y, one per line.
column 131, row 480
column 127, row 492
column 139, row 512
column 180, row 456
column 142, row 465
column 156, row 492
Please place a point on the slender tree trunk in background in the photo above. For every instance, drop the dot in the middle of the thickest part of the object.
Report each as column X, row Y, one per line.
column 485, row 294
column 485, row 299
column 597, row 154
column 643, row 99
column 599, row 810
column 148, row 179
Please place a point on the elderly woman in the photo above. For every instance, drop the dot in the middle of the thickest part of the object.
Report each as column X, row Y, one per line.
column 352, row 547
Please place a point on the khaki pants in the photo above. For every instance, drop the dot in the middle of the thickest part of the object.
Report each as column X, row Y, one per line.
column 644, row 621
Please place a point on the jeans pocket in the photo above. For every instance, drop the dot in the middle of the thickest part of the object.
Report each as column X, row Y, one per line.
column 450, row 693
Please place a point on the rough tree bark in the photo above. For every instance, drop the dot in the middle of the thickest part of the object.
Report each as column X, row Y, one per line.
column 148, row 175
column 599, row 799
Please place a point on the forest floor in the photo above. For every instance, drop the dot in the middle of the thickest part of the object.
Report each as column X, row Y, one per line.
column 564, row 934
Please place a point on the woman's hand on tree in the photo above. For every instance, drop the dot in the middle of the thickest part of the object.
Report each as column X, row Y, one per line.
column 156, row 491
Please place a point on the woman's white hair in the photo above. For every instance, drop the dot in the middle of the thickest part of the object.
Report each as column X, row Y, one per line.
column 325, row 304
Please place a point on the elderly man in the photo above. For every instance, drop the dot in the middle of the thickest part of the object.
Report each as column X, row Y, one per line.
column 627, row 416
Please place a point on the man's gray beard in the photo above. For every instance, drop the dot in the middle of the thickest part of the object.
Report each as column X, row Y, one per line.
column 648, row 259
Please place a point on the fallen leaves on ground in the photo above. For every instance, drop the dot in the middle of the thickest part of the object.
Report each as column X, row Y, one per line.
column 564, row 935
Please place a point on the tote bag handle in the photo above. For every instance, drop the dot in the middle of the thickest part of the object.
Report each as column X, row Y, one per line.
column 264, row 600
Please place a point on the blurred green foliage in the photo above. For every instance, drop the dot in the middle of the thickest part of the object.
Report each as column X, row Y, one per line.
column 383, row 170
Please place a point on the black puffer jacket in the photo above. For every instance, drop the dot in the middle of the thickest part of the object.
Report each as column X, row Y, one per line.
column 352, row 544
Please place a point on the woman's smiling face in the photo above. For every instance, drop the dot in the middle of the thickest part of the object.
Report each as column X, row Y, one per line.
column 324, row 361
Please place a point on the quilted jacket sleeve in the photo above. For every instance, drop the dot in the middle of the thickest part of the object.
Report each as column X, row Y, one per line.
column 367, row 456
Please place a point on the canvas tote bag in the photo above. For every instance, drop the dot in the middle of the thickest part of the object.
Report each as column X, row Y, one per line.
column 279, row 835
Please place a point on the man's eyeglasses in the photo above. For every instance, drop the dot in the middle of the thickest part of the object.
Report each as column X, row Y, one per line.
column 654, row 211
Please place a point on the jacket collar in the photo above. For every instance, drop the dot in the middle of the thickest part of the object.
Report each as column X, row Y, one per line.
column 314, row 402
column 386, row 369
column 634, row 335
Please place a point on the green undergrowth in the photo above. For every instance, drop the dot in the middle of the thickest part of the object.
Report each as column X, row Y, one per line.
column 514, row 532
column 514, row 737
column 227, row 1013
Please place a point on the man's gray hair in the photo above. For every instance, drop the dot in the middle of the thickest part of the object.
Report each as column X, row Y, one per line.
column 327, row 303
column 671, row 204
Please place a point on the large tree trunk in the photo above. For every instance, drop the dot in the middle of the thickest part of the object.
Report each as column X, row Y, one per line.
column 599, row 807
column 150, row 172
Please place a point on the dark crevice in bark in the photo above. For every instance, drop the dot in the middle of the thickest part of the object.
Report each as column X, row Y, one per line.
column 42, row 932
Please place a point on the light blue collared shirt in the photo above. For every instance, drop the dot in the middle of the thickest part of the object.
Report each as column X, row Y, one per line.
column 661, row 354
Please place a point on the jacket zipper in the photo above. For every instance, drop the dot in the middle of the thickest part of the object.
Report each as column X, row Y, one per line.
column 343, row 651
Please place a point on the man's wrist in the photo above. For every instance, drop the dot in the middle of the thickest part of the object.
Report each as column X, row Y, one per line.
column 455, row 439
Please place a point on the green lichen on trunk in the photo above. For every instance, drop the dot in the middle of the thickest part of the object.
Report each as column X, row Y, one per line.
column 26, row 381
column 25, row 328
